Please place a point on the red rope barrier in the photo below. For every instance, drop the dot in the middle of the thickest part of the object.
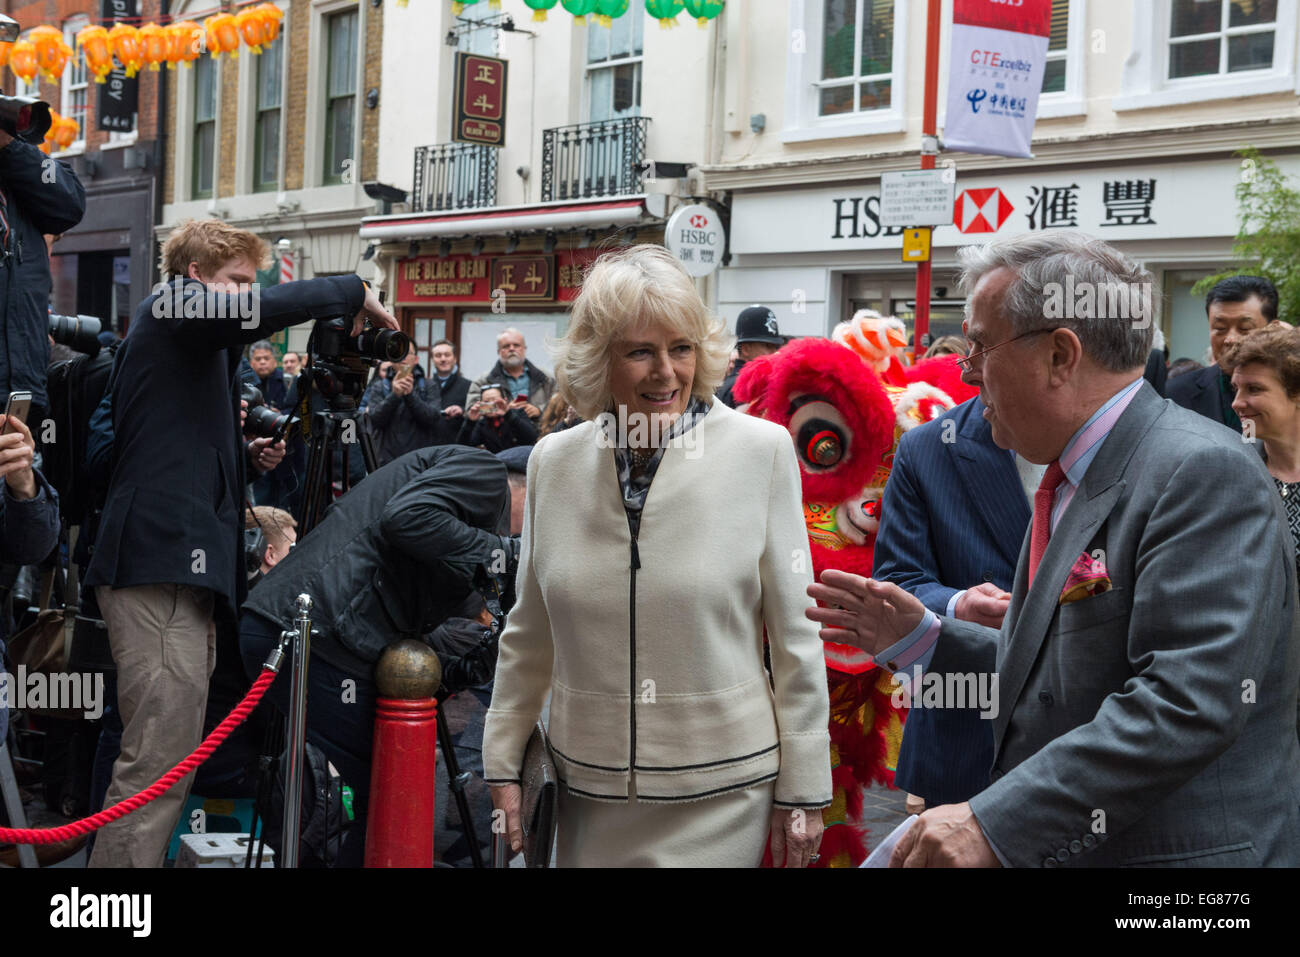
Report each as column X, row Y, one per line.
column 52, row 835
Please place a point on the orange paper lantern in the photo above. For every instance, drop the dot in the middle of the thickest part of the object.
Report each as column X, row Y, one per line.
column 94, row 45
column 153, row 45
column 4, row 53
column 22, row 60
column 249, row 24
column 271, row 19
column 65, row 131
column 52, row 52
column 184, row 43
column 223, row 35
column 125, row 40
column 48, row 142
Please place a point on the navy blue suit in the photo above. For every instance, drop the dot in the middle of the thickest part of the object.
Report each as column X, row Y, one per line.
column 954, row 515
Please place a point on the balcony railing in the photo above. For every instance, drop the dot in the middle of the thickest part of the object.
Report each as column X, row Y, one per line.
column 593, row 159
column 454, row 176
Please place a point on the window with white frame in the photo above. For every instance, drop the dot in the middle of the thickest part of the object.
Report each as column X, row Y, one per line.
column 268, row 98
column 841, row 66
column 74, row 88
column 857, row 43
column 1187, row 51
column 1209, row 37
column 614, row 68
column 1058, row 48
column 340, row 93
column 204, row 138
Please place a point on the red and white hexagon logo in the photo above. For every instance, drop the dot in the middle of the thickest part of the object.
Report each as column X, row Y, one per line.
column 981, row 210
column 699, row 222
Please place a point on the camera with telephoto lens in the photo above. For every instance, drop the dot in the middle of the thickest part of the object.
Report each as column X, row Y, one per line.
column 262, row 420
column 341, row 362
column 78, row 333
column 25, row 118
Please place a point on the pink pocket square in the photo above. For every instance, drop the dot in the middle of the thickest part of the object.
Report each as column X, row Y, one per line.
column 1088, row 577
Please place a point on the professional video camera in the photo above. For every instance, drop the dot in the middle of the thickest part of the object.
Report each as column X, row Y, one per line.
column 262, row 420
column 22, row 117
column 341, row 363
column 78, row 333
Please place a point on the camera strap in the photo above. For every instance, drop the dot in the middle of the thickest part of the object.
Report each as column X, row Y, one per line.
column 4, row 224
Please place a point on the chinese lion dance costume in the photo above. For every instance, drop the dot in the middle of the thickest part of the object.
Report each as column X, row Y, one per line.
column 846, row 401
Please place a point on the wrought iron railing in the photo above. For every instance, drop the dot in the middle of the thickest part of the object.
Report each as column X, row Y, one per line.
column 454, row 176
column 593, row 159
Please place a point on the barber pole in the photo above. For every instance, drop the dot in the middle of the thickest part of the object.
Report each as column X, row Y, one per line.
column 286, row 266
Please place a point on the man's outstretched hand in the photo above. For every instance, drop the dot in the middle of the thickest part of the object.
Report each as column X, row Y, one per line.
column 373, row 310
column 863, row 612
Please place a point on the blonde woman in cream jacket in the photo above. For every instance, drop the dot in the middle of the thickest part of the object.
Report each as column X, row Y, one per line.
column 661, row 538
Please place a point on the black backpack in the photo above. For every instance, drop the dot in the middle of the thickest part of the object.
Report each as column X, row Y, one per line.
column 75, row 388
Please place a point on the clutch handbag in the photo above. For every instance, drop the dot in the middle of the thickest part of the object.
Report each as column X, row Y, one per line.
column 539, row 782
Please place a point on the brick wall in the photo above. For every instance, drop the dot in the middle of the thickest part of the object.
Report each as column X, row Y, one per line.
column 373, row 67
column 228, row 130
column 295, row 93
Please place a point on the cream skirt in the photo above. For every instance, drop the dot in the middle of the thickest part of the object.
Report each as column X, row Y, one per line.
column 729, row 830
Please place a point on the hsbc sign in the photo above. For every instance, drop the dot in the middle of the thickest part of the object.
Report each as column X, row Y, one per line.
column 695, row 236
column 981, row 210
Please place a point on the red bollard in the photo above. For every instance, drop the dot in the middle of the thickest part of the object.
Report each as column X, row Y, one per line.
column 399, row 828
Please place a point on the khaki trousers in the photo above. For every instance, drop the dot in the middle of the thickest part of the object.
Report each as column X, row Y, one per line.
column 164, row 645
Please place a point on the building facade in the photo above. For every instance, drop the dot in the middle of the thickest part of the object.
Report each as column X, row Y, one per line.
column 106, row 264
column 604, row 129
column 1143, row 110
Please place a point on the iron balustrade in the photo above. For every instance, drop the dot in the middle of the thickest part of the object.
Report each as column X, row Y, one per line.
column 454, row 176
column 594, row 159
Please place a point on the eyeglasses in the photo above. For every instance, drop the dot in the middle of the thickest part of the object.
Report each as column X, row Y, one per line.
column 967, row 361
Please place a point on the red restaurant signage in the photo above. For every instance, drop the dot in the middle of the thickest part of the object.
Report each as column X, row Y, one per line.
column 472, row 279
column 479, row 108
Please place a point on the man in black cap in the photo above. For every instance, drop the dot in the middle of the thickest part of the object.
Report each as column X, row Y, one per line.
column 756, row 335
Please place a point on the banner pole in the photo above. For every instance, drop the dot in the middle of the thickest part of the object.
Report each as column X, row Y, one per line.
column 929, row 150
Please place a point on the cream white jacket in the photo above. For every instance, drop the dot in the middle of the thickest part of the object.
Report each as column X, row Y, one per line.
column 676, row 691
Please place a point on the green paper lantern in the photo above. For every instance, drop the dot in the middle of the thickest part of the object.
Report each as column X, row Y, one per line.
column 607, row 10
column 579, row 8
column 665, row 11
column 704, row 10
column 539, row 7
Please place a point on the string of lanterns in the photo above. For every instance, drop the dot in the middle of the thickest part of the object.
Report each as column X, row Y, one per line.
column 606, row 11
column 45, row 51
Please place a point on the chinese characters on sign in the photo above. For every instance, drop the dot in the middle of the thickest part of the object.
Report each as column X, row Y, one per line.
column 526, row 278
column 427, row 280
column 479, row 110
column 1127, row 203
column 118, row 95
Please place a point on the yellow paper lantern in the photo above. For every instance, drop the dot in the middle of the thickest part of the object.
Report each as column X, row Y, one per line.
column 272, row 16
column 153, row 45
column 94, row 46
column 125, row 40
column 249, row 24
column 22, row 60
column 223, row 35
column 184, row 43
column 52, row 53
column 65, row 131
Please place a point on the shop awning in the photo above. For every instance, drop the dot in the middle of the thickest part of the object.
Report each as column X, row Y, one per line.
column 577, row 214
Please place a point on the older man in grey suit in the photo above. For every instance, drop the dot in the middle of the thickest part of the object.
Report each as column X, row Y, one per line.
column 1147, row 701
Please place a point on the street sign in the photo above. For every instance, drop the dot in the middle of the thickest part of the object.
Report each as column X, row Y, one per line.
column 696, row 237
column 917, row 197
column 916, row 245
column 479, row 107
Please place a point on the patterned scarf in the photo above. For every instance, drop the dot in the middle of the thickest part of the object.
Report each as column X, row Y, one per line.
column 634, row 482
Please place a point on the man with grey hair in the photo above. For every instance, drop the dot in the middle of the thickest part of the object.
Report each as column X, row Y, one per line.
column 1146, row 701
column 530, row 388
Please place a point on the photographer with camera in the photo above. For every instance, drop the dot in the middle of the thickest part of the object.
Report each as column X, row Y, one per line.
column 416, row 538
column 168, row 562
column 493, row 425
column 38, row 195
column 405, row 409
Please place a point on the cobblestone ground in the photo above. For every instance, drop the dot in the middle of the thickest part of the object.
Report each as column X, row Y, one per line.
column 882, row 810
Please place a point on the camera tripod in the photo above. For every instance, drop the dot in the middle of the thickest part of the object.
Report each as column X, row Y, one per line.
column 333, row 430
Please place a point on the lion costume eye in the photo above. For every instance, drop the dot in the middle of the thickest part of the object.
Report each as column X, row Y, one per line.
column 821, row 436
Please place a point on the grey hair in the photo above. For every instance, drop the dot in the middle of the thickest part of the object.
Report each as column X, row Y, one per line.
column 261, row 345
column 1073, row 281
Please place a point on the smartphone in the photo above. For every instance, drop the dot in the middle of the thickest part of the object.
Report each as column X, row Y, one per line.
column 19, row 404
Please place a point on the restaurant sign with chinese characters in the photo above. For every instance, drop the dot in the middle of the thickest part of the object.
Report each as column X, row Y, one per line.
column 481, row 280
column 479, row 108
column 1185, row 200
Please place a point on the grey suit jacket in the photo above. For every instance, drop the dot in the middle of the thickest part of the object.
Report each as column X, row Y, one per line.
column 1153, row 724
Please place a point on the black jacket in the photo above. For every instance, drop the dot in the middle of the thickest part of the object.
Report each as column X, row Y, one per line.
column 515, row 428
column 403, row 423
column 454, row 392
column 396, row 556
column 32, row 205
column 728, row 384
column 1199, row 391
column 174, row 509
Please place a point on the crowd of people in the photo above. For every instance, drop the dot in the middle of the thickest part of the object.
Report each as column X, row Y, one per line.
column 1059, row 531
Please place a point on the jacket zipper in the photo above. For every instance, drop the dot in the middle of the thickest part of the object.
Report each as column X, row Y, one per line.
column 635, row 564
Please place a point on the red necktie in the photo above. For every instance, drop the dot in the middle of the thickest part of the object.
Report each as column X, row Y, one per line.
column 1042, row 527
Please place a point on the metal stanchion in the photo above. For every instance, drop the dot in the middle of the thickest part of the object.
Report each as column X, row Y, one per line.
column 297, row 731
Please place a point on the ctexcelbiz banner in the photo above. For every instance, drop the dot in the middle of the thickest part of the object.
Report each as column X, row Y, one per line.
column 999, row 51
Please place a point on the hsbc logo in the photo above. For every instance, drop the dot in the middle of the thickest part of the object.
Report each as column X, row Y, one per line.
column 699, row 221
column 981, row 210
